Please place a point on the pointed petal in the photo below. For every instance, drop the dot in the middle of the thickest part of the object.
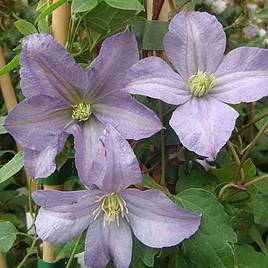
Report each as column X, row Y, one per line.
column 195, row 41
column 38, row 121
column 41, row 164
column 107, row 71
column 204, row 125
column 115, row 166
column 48, row 69
column 53, row 198
column 86, row 141
column 63, row 215
column 242, row 76
column 110, row 242
column 153, row 77
column 156, row 221
column 132, row 119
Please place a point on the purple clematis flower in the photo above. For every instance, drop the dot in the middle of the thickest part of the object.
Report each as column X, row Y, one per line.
column 204, row 82
column 62, row 99
column 111, row 211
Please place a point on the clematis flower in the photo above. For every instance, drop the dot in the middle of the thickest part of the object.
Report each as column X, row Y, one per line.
column 111, row 210
column 205, row 80
column 62, row 99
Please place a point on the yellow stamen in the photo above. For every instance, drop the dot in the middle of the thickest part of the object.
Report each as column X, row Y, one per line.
column 82, row 112
column 200, row 83
column 113, row 207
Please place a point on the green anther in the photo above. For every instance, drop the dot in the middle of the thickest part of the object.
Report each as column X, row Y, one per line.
column 113, row 206
column 200, row 83
column 82, row 112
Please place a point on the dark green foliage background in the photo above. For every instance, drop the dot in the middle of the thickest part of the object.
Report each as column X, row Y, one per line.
column 234, row 225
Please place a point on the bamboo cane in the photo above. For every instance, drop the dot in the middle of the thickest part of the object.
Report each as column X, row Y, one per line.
column 7, row 89
column 60, row 25
column 10, row 100
column 3, row 263
column 60, row 22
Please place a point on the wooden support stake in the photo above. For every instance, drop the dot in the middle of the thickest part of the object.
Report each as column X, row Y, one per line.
column 60, row 26
column 3, row 263
column 7, row 89
column 60, row 22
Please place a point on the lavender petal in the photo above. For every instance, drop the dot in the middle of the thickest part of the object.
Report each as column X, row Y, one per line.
column 156, row 221
column 195, row 41
column 242, row 76
column 38, row 121
column 48, row 69
column 153, row 77
column 115, row 166
column 204, row 125
column 132, row 119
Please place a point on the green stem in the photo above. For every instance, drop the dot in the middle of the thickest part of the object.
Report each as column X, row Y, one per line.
column 229, row 185
column 29, row 182
column 256, row 180
column 229, row 27
column 249, row 148
column 74, row 250
column 28, row 254
column 255, row 120
column 237, row 160
column 162, row 144
column 26, row 235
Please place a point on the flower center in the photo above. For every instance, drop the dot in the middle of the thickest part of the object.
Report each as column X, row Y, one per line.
column 82, row 111
column 113, row 207
column 200, row 83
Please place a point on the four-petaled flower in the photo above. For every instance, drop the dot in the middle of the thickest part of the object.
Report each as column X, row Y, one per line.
column 204, row 82
column 63, row 99
column 111, row 210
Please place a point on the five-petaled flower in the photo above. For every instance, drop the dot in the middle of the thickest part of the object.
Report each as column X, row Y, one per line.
column 111, row 210
column 204, row 82
column 63, row 99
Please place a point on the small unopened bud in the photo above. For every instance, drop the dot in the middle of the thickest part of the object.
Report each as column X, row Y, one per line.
column 252, row 7
column 265, row 41
column 261, row 33
column 218, row 6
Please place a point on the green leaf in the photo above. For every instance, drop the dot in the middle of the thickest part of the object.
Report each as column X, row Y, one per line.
column 149, row 182
column 248, row 257
column 241, row 222
column 50, row 9
column 83, row 5
column 259, row 207
column 177, row 258
column 262, row 186
column 212, row 244
column 10, row 66
column 105, row 19
column 2, row 129
column 127, row 5
column 150, row 34
column 11, row 167
column 6, row 152
column 227, row 173
column 65, row 250
column 142, row 256
column 7, row 236
column 43, row 26
column 25, row 27
column 256, row 236
column 41, row 4
column 196, row 179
